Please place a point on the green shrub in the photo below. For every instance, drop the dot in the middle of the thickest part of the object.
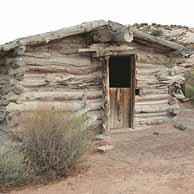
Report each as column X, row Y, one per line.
column 157, row 32
column 13, row 169
column 189, row 92
column 189, row 77
column 189, row 85
column 54, row 141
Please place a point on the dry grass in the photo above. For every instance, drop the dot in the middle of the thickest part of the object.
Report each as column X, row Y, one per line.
column 53, row 141
column 13, row 169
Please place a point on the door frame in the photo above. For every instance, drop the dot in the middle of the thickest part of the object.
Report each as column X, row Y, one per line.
column 106, row 92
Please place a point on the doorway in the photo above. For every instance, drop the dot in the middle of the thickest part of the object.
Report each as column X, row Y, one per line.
column 121, row 91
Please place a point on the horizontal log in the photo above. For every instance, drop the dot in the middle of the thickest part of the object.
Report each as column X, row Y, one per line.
column 56, row 68
column 149, row 115
column 147, row 72
column 148, row 91
column 151, row 85
column 70, row 106
column 150, row 108
column 103, row 48
column 177, row 70
column 151, row 120
column 46, row 37
column 55, row 80
column 34, row 83
column 152, row 97
column 147, row 79
column 151, row 57
column 138, row 35
column 61, row 88
column 170, row 79
column 152, row 102
column 57, row 59
column 60, row 96
column 150, row 66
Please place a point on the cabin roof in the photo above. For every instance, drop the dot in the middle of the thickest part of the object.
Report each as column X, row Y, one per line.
column 138, row 36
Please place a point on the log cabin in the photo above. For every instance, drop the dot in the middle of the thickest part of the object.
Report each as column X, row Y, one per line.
column 117, row 75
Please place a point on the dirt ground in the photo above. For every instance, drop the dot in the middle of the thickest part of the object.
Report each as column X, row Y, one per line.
column 151, row 161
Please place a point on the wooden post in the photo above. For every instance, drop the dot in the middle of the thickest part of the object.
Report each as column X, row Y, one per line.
column 133, row 87
column 106, row 94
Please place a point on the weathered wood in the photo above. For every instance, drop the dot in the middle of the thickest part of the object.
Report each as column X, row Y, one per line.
column 150, row 66
column 117, row 109
column 70, row 106
column 55, row 69
column 133, row 87
column 104, row 48
column 147, row 38
column 152, row 97
column 47, row 37
column 60, row 96
column 102, row 35
column 128, row 107
column 106, row 94
column 65, row 80
column 113, row 32
column 152, row 102
column 170, row 79
column 58, row 59
column 59, row 72
column 150, row 90
column 120, row 32
column 145, row 57
column 154, row 107
column 151, row 120
column 149, row 115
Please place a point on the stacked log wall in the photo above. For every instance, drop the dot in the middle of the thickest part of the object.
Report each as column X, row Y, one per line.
column 11, row 74
column 153, row 104
column 4, row 85
column 57, row 76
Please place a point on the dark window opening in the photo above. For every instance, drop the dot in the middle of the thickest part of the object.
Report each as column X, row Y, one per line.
column 119, row 72
column 137, row 92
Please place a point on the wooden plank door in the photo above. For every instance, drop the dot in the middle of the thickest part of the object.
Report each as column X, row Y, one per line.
column 121, row 92
column 119, row 108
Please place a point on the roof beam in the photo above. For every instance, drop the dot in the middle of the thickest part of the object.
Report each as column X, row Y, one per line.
column 138, row 35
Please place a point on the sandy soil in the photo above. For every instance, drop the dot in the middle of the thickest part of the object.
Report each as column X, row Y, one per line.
column 151, row 161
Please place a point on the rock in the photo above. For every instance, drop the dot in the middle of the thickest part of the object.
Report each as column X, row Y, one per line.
column 180, row 126
column 180, row 34
column 105, row 148
column 184, row 123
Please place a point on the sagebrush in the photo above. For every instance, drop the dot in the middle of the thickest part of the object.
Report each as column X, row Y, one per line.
column 189, row 85
column 54, row 141
column 13, row 168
